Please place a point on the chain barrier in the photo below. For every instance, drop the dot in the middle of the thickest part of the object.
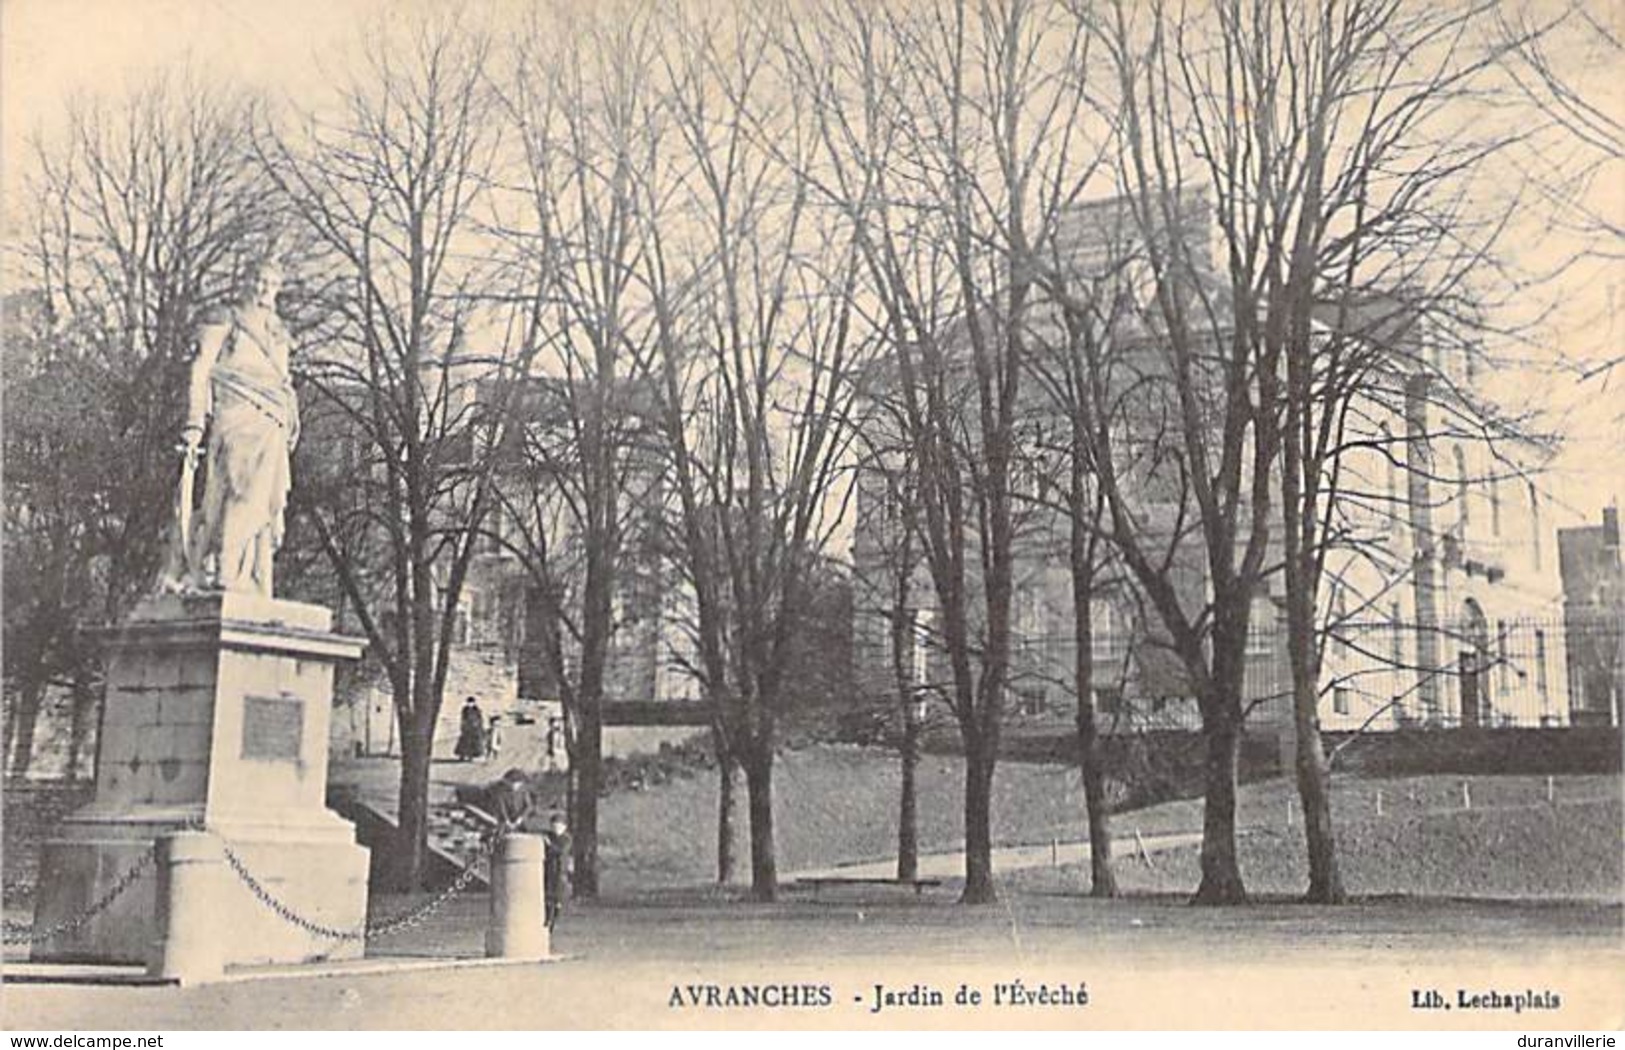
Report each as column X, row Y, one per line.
column 394, row 924
column 25, row 933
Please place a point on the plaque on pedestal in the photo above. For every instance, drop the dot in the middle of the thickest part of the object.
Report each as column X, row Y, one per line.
column 216, row 716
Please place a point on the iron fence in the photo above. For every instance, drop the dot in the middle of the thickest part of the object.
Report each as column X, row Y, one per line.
column 1375, row 675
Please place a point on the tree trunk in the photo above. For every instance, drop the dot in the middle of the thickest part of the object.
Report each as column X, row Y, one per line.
column 908, row 832
column 764, row 874
column 1102, row 879
column 1221, row 873
column 412, row 832
column 1314, row 791
column 979, row 762
column 1302, row 475
column 727, row 774
column 1313, row 772
column 588, row 763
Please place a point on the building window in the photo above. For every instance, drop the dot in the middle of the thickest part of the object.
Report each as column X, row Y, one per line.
column 1260, row 637
column 1029, row 626
column 1462, row 511
column 1534, row 521
column 468, row 624
column 1495, row 506
column 1541, row 684
column 1390, row 470
column 1105, row 643
column 921, row 632
column 1340, row 700
column 1108, row 700
column 1501, row 655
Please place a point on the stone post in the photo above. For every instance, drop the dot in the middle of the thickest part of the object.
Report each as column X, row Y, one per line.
column 190, row 941
column 517, row 928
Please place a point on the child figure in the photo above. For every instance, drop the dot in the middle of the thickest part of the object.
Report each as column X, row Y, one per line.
column 555, row 866
column 493, row 738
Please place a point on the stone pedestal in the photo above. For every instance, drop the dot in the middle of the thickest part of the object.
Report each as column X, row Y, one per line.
column 216, row 716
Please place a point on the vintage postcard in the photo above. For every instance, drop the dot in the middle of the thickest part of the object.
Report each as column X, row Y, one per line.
column 813, row 515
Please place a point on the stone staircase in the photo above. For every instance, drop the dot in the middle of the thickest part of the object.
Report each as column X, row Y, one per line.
column 455, row 835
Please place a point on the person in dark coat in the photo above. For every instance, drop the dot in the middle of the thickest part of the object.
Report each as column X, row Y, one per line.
column 555, row 861
column 509, row 801
column 471, row 732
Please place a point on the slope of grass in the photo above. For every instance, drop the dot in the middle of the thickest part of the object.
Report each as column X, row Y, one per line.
column 835, row 804
column 1512, row 842
column 832, row 803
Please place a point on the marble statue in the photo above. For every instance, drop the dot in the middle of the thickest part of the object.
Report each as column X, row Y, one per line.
column 240, row 397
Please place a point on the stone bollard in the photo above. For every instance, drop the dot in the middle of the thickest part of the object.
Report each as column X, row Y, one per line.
column 518, row 928
column 188, row 949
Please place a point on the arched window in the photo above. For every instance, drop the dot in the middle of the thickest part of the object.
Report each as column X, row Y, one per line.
column 920, row 624
column 1542, row 685
column 1501, row 662
column 1390, row 471
column 1462, row 510
column 1534, row 521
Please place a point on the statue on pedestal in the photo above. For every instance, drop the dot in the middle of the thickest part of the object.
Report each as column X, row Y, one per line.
column 240, row 397
column 216, row 722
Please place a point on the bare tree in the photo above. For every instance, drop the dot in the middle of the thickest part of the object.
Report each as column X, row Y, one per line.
column 1195, row 530
column 141, row 211
column 752, row 292
column 1565, row 65
column 589, row 475
column 888, row 562
column 1334, row 144
column 1084, row 275
column 951, row 140
column 413, row 366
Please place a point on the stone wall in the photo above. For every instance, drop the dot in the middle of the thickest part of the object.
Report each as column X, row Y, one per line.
column 364, row 712
column 33, row 808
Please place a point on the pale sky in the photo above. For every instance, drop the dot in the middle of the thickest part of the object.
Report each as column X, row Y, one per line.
column 51, row 49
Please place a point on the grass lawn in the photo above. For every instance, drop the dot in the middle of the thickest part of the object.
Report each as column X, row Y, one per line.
column 831, row 804
column 1511, row 843
column 838, row 804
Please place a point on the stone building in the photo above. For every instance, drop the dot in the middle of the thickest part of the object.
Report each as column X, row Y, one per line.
column 1441, row 605
column 1445, row 608
column 497, row 656
column 1594, row 612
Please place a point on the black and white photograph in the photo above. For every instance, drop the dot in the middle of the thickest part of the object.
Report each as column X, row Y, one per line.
column 839, row 515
